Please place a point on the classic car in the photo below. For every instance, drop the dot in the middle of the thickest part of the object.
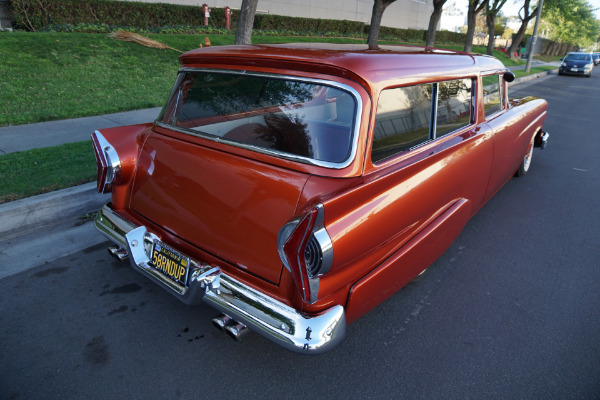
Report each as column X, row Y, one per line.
column 295, row 187
column 577, row 64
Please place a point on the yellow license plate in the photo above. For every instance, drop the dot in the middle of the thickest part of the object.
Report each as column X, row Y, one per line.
column 170, row 263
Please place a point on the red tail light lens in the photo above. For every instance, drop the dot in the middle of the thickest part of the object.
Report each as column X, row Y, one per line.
column 305, row 249
column 108, row 163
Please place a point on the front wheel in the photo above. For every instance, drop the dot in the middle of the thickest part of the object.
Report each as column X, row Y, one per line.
column 526, row 163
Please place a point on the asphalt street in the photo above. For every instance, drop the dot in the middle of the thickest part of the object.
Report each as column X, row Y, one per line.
column 510, row 311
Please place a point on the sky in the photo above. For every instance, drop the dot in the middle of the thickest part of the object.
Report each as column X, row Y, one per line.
column 511, row 8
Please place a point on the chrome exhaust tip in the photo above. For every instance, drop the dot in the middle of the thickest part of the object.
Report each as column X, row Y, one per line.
column 118, row 253
column 237, row 331
column 232, row 328
column 222, row 321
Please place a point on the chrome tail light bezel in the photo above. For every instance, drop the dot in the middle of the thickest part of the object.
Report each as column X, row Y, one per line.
column 305, row 249
column 108, row 163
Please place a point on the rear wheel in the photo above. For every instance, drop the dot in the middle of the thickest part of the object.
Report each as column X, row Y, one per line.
column 526, row 163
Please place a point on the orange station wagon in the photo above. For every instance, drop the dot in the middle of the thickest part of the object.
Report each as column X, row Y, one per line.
column 295, row 187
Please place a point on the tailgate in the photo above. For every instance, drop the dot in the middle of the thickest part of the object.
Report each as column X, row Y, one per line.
column 227, row 205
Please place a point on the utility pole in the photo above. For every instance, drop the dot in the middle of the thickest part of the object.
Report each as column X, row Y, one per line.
column 534, row 37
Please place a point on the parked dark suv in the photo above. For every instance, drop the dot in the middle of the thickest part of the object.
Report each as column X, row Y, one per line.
column 577, row 64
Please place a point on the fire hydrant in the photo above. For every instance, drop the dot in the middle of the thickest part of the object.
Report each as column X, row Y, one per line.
column 228, row 13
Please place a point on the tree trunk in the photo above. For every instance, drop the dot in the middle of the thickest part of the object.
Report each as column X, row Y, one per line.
column 378, row 8
column 474, row 8
column 434, row 21
column 491, row 23
column 517, row 40
column 471, row 21
column 243, row 32
column 521, row 32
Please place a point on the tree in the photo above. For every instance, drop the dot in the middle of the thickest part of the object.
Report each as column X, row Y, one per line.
column 379, row 7
column 434, row 21
column 527, row 16
column 243, row 32
column 571, row 22
column 491, row 13
column 475, row 7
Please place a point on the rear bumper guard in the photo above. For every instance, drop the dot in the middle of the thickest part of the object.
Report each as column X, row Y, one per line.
column 296, row 331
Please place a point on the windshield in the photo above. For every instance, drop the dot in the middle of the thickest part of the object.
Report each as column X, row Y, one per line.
column 578, row 57
column 277, row 114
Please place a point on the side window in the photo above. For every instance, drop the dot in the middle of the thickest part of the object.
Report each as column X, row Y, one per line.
column 410, row 116
column 454, row 106
column 403, row 120
column 492, row 94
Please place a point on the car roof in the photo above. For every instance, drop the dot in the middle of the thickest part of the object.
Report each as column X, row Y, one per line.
column 356, row 61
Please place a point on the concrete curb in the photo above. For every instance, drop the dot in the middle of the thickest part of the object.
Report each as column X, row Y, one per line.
column 21, row 216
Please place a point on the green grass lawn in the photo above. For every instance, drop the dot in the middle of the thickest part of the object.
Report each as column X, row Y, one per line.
column 520, row 73
column 44, row 170
column 50, row 76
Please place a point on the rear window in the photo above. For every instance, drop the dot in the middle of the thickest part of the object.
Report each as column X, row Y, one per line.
column 579, row 57
column 283, row 115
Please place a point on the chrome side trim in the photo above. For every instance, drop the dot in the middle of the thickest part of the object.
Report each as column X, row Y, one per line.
column 275, row 153
column 276, row 321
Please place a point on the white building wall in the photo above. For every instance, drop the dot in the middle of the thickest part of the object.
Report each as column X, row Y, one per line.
column 453, row 18
column 413, row 14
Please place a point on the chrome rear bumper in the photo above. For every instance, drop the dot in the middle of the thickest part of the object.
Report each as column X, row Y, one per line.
column 298, row 332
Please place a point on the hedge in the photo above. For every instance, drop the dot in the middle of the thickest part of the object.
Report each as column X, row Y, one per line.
column 34, row 15
column 106, row 15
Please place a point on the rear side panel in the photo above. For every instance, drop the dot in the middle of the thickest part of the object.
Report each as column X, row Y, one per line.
column 379, row 217
column 513, row 131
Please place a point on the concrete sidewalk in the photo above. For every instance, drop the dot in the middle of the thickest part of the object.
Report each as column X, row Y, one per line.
column 54, row 133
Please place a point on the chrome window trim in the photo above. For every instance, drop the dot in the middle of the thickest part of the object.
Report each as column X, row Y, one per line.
column 279, row 154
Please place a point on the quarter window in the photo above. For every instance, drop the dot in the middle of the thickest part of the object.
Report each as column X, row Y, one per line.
column 492, row 94
column 411, row 116
column 454, row 106
column 403, row 120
